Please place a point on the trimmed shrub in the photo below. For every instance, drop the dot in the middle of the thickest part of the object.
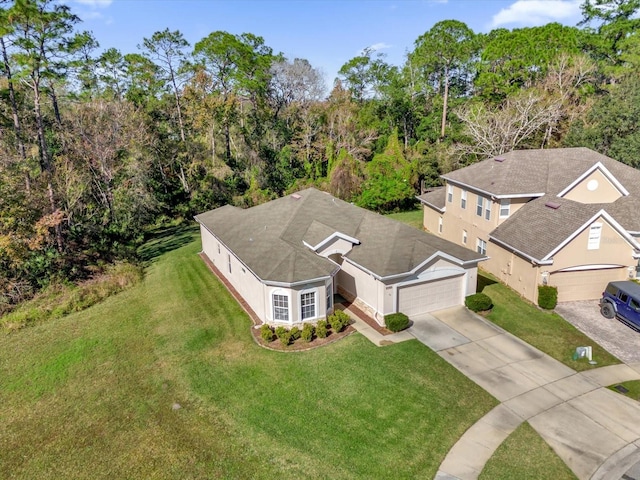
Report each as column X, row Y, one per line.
column 396, row 321
column 295, row 333
column 266, row 333
column 283, row 335
column 307, row 332
column 321, row 329
column 478, row 302
column 547, row 296
column 339, row 320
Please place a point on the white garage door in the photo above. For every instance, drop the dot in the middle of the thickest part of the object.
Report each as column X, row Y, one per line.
column 430, row 296
column 585, row 284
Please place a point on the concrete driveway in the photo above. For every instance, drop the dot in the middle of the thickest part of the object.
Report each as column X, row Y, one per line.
column 613, row 335
column 595, row 431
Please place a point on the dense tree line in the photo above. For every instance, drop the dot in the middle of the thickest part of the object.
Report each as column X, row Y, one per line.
column 96, row 146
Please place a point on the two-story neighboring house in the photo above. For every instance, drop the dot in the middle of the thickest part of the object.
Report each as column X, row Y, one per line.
column 565, row 217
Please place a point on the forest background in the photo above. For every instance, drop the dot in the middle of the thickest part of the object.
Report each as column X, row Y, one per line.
column 97, row 147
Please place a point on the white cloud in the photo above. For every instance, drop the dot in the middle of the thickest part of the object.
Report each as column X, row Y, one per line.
column 537, row 12
column 379, row 46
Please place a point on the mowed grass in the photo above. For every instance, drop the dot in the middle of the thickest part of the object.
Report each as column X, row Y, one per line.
column 413, row 218
column 547, row 331
column 632, row 387
column 164, row 381
column 524, row 455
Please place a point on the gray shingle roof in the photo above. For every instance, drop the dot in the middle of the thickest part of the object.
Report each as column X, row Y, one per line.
column 269, row 238
column 537, row 171
column 436, row 198
column 537, row 230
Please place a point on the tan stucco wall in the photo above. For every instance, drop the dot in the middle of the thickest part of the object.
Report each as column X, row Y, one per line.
column 457, row 219
column 430, row 219
column 605, row 192
column 524, row 277
column 514, row 271
column 614, row 249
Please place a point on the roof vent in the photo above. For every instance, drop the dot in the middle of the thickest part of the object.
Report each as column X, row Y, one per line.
column 553, row 205
column 295, row 196
column 500, row 159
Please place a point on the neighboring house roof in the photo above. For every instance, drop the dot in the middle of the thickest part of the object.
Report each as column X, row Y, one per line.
column 273, row 239
column 436, row 198
column 537, row 230
column 538, row 172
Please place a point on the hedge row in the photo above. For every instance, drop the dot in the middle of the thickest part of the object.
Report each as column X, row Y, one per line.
column 337, row 321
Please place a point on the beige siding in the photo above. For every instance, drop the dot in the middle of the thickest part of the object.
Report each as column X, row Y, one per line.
column 245, row 282
column 602, row 190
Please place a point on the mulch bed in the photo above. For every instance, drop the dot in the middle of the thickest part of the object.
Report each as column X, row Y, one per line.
column 300, row 345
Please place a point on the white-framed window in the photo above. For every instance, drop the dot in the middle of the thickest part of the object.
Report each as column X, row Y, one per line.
column 505, row 207
column 329, row 289
column 481, row 247
column 463, row 199
column 307, row 305
column 229, row 261
column 487, row 209
column 449, row 193
column 479, row 205
column 595, row 232
column 464, row 237
column 280, row 303
column 440, row 225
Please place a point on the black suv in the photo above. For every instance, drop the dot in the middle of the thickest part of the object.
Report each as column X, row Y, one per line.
column 622, row 299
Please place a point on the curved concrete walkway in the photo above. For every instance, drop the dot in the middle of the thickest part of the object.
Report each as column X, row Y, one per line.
column 595, row 431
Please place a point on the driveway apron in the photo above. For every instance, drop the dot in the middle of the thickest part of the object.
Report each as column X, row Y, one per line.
column 595, row 431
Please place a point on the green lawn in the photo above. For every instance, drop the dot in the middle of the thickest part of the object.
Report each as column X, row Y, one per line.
column 92, row 395
column 413, row 218
column 632, row 387
column 546, row 331
column 525, row 455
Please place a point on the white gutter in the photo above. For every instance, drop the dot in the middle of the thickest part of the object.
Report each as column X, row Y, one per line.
column 489, row 194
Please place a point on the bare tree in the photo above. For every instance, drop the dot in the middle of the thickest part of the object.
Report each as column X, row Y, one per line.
column 496, row 130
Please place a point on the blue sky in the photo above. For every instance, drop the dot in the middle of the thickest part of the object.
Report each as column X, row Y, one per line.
column 328, row 33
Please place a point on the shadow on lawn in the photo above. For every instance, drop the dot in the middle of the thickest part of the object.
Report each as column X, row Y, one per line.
column 165, row 239
column 484, row 281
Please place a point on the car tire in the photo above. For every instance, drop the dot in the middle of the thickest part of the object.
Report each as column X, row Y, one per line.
column 607, row 310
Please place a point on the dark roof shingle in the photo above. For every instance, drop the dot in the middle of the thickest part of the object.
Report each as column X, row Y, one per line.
column 269, row 238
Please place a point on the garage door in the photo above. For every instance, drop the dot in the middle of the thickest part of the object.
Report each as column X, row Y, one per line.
column 585, row 284
column 430, row 296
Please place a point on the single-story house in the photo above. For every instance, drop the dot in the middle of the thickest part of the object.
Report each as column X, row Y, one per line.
column 566, row 217
column 288, row 258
